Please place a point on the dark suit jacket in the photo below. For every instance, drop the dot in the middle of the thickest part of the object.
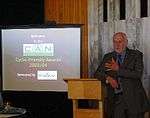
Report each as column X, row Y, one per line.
column 130, row 73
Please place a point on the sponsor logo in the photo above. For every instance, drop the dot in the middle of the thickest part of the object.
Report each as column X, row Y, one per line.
column 47, row 75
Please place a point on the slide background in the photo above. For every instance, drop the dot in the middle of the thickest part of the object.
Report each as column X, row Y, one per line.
column 66, row 48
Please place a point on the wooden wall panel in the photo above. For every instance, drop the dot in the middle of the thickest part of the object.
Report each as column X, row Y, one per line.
column 71, row 12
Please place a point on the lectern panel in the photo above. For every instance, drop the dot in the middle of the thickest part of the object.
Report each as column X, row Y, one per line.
column 84, row 90
column 88, row 113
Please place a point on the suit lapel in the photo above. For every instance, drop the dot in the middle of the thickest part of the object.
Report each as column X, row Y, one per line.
column 114, row 55
column 126, row 58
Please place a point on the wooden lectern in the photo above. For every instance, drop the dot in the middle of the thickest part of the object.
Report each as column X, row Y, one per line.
column 85, row 89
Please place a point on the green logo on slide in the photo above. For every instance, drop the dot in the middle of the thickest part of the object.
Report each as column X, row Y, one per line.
column 46, row 49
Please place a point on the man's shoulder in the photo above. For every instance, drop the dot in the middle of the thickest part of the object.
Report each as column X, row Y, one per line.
column 109, row 54
column 135, row 52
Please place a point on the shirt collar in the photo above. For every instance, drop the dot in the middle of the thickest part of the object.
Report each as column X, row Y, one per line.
column 122, row 54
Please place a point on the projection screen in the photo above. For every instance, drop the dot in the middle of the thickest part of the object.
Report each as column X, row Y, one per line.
column 38, row 58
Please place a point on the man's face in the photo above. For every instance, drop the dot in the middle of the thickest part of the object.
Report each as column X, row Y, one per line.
column 119, row 43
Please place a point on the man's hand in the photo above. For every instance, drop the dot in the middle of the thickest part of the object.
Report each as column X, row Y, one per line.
column 112, row 82
column 112, row 65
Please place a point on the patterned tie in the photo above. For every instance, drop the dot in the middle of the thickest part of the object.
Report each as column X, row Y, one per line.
column 120, row 61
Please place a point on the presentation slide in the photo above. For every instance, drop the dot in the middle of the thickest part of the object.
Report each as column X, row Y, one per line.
column 38, row 59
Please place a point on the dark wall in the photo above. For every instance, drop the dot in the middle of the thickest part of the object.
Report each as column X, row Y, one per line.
column 37, row 104
column 14, row 12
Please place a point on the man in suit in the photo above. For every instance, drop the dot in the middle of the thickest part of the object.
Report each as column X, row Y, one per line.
column 121, row 72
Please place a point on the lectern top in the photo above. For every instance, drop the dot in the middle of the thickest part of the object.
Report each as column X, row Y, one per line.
column 80, row 79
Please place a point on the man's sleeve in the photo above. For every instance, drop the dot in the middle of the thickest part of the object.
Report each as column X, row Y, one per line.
column 100, row 73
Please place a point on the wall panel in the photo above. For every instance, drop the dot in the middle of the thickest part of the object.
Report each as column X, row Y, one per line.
column 71, row 12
